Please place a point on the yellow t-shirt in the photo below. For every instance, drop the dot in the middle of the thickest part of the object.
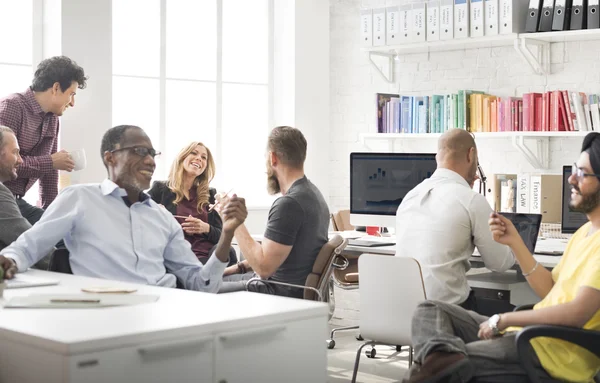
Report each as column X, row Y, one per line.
column 579, row 266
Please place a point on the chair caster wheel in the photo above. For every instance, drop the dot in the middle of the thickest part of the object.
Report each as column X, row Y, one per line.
column 330, row 344
column 371, row 353
column 398, row 348
column 359, row 337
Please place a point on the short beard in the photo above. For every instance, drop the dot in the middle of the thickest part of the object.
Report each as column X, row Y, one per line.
column 273, row 186
column 7, row 173
column 589, row 202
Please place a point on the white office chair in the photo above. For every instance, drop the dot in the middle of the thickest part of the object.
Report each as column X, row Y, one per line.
column 390, row 290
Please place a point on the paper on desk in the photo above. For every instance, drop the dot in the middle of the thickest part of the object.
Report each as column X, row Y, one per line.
column 104, row 300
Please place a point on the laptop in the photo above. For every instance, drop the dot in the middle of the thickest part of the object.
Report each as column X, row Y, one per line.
column 24, row 280
column 528, row 226
column 369, row 243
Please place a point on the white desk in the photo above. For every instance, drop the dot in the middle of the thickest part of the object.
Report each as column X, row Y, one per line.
column 185, row 336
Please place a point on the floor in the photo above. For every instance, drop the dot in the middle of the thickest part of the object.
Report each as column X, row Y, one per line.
column 388, row 365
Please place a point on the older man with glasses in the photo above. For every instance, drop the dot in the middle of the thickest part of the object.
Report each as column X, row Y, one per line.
column 114, row 230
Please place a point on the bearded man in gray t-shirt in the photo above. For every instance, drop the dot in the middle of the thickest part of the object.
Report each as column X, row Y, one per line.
column 296, row 228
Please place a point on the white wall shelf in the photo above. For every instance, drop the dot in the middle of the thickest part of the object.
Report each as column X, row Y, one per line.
column 538, row 60
column 534, row 146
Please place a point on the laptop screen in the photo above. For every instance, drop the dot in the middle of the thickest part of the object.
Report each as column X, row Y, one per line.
column 528, row 226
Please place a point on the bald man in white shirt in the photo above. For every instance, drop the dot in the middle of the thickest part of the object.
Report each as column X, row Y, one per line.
column 442, row 220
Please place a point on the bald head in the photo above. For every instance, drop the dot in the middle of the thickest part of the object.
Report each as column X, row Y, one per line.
column 457, row 151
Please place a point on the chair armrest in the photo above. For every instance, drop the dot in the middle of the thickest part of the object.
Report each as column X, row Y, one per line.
column 524, row 307
column 268, row 281
column 587, row 339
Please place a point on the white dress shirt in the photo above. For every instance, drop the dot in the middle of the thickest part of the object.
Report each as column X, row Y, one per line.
column 141, row 243
column 439, row 223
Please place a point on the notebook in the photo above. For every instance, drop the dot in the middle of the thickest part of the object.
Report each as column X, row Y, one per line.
column 369, row 243
column 21, row 280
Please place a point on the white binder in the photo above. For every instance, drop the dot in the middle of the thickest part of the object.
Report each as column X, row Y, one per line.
column 477, row 18
column 512, row 16
column 447, row 20
column 419, row 22
column 491, row 17
column 366, row 27
column 433, row 20
column 406, row 21
column 378, row 27
column 392, row 25
column 461, row 19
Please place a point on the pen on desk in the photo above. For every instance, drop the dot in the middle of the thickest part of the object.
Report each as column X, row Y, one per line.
column 215, row 205
column 74, row 300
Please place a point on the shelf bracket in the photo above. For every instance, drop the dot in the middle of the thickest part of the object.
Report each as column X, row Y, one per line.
column 387, row 75
column 540, row 62
column 540, row 159
column 391, row 144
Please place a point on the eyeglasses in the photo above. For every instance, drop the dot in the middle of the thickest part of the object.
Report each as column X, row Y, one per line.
column 141, row 151
column 579, row 173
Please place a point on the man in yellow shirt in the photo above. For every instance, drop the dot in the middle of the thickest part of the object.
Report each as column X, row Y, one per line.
column 456, row 345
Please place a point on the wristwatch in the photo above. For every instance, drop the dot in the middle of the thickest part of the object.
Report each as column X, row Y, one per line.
column 493, row 323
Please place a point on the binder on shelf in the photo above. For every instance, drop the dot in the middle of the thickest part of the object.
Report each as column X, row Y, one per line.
column 545, row 197
column 533, row 16
column 392, row 25
column 593, row 17
column 562, row 15
column 461, row 19
column 433, row 20
column 578, row 14
column 419, row 22
column 523, row 193
column 477, row 18
column 378, row 27
column 447, row 20
column 491, row 17
column 512, row 16
column 405, row 25
column 366, row 27
column 546, row 16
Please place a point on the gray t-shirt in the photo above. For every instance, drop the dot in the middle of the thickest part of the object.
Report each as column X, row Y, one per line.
column 12, row 223
column 299, row 219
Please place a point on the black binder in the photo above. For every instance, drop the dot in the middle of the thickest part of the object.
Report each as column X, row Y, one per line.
column 593, row 17
column 578, row 14
column 533, row 16
column 546, row 16
column 562, row 15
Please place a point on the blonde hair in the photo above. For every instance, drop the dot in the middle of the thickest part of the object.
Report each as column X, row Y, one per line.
column 176, row 176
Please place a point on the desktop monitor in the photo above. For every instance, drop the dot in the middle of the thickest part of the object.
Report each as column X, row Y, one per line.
column 571, row 220
column 379, row 182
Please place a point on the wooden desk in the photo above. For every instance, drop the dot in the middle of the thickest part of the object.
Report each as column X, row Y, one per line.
column 185, row 336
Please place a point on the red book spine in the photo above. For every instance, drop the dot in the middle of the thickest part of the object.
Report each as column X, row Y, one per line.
column 554, row 111
column 568, row 111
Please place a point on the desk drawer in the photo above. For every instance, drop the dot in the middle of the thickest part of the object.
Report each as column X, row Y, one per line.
column 185, row 360
column 492, row 301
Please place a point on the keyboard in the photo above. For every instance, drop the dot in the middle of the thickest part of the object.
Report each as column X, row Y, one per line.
column 552, row 247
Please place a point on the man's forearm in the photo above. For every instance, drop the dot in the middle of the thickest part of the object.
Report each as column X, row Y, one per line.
column 566, row 314
column 223, row 246
column 251, row 249
column 539, row 279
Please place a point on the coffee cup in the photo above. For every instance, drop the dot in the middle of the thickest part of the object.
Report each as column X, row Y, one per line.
column 78, row 157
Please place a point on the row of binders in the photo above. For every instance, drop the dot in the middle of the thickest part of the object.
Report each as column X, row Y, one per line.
column 442, row 20
column 562, row 15
column 475, row 111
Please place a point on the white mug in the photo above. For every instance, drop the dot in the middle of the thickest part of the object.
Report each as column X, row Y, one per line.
column 78, row 157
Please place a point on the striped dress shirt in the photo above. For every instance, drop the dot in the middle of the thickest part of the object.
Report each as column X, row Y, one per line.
column 37, row 134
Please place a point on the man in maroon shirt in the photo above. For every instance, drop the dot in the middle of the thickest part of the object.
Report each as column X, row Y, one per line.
column 33, row 115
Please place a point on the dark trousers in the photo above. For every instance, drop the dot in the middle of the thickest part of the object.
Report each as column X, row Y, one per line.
column 470, row 303
column 33, row 214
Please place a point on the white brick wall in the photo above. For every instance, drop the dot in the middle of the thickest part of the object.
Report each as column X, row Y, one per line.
column 499, row 71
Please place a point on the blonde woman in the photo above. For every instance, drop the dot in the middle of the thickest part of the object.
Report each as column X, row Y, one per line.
column 187, row 195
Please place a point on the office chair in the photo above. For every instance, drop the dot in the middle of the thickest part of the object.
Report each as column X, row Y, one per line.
column 588, row 339
column 59, row 261
column 319, row 286
column 390, row 290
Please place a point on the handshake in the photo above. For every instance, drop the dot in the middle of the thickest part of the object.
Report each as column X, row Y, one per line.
column 232, row 209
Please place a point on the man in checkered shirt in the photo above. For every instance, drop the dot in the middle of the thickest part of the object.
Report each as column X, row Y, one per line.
column 33, row 116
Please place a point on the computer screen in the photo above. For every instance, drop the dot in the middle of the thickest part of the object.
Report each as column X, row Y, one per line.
column 379, row 182
column 571, row 220
column 528, row 226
